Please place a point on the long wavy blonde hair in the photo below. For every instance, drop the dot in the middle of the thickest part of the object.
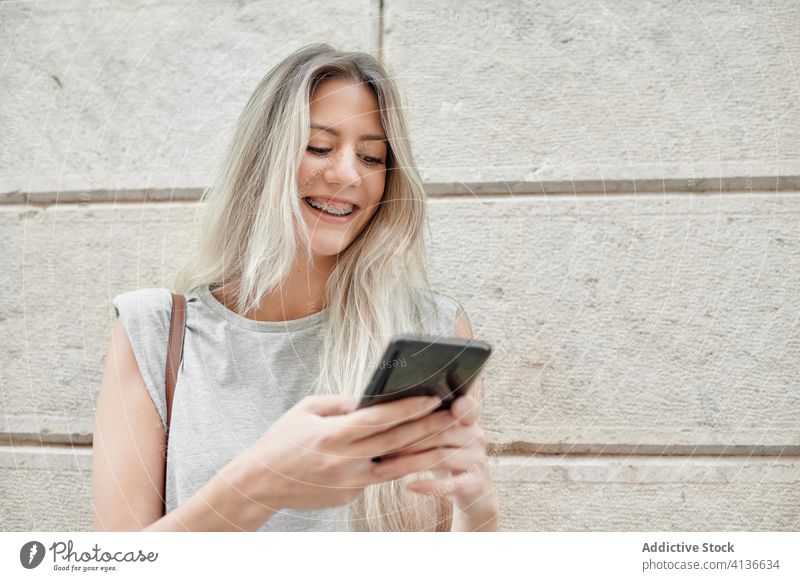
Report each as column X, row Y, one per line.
column 249, row 239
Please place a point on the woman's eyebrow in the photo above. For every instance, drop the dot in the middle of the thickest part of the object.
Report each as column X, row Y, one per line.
column 338, row 133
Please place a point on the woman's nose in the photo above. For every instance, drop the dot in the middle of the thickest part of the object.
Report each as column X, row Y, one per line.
column 344, row 170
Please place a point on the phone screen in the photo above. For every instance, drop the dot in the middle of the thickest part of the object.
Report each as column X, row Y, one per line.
column 417, row 365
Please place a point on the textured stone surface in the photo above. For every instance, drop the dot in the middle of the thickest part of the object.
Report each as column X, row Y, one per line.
column 118, row 94
column 62, row 266
column 126, row 95
column 617, row 323
column 638, row 321
column 50, row 489
column 576, row 90
column 45, row 489
column 648, row 494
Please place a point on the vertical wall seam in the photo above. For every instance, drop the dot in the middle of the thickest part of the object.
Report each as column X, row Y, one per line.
column 380, row 31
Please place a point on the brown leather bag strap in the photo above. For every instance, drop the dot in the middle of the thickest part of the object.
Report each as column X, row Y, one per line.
column 177, row 326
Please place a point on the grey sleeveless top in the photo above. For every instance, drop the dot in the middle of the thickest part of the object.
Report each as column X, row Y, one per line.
column 236, row 378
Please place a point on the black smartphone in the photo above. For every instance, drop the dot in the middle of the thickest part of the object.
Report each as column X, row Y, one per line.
column 418, row 365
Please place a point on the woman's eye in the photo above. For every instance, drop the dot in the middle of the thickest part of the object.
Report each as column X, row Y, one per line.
column 322, row 151
column 317, row 150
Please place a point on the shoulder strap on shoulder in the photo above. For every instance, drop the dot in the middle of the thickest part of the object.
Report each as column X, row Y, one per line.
column 177, row 325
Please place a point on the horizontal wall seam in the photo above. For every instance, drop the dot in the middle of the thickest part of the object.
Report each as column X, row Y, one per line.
column 521, row 450
column 757, row 184
column 530, row 449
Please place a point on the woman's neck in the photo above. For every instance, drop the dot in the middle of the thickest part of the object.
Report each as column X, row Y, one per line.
column 301, row 294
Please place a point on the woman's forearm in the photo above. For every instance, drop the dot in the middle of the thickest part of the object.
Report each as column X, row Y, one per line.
column 230, row 501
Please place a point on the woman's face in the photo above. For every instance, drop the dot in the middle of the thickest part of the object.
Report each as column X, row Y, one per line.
column 344, row 164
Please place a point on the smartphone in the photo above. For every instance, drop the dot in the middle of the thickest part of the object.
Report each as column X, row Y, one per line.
column 418, row 365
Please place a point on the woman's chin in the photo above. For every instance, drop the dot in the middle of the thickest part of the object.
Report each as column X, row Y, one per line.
column 327, row 243
column 329, row 249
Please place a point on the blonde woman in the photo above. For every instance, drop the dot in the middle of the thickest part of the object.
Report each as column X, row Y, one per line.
column 310, row 258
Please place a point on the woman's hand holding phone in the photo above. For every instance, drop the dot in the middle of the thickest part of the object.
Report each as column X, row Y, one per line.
column 457, row 455
column 318, row 454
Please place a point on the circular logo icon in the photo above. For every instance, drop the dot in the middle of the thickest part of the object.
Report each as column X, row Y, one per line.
column 31, row 554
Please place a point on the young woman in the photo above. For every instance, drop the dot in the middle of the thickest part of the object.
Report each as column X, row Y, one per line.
column 310, row 258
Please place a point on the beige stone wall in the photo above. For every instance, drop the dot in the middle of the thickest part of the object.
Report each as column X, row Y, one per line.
column 614, row 199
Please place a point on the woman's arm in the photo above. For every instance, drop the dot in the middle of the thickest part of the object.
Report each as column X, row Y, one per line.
column 224, row 503
column 128, row 463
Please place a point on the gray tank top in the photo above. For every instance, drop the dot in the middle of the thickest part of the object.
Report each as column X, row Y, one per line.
column 236, row 378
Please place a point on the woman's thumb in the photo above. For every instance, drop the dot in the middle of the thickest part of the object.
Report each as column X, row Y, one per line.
column 330, row 405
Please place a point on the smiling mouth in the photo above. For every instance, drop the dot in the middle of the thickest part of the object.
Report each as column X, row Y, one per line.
column 336, row 210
